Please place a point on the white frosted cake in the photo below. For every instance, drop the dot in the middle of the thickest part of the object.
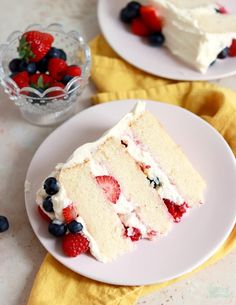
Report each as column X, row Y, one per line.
column 134, row 182
column 194, row 31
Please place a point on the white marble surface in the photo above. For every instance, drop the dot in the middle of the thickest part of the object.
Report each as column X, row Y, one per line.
column 20, row 252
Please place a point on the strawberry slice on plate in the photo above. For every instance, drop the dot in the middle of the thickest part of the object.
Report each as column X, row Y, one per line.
column 110, row 186
column 151, row 18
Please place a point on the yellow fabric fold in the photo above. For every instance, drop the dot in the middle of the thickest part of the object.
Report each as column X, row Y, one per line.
column 115, row 79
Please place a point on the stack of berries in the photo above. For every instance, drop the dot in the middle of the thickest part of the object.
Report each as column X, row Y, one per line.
column 41, row 65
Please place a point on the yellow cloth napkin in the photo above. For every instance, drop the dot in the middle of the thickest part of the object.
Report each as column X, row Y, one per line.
column 115, row 79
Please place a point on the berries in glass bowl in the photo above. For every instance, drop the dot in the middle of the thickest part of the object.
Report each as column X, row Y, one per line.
column 44, row 70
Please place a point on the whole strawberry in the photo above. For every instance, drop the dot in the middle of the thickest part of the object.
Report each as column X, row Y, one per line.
column 34, row 45
column 74, row 244
column 40, row 81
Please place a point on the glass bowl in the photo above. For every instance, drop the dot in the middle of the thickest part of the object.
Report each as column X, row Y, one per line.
column 39, row 108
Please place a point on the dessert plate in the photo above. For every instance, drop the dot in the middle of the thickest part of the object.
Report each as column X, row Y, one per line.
column 157, row 61
column 190, row 242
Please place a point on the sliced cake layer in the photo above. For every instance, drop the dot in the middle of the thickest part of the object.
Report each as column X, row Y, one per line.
column 102, row 222
column 148, row 206
column 170, row 157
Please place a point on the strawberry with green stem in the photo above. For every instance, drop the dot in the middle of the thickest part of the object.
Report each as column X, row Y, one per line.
column 34, row 45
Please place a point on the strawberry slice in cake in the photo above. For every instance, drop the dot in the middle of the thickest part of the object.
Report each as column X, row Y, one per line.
column 134, row 182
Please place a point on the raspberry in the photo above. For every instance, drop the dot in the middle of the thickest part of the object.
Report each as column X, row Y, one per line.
column 110, row 186
column 232, row 49
column 73, row 70
column 21, row 79
column 70, row 213
column 57, row 68
column 175, row 210
column 73, row 244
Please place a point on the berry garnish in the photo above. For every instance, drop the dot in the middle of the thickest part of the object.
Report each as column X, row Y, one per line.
column 138, row 27
column 175, row 210
column 232, row 48
column 42, row 65
column 30, row 67
column 47, row 204
column 73, row 244
column 156, row 39
column 21, row 79
column 14, row 65
column 110, row 186
column 56, row 68
column 131, row 11
column 34, row 45
column 43, row 215
column 221, row 10
column 53, row 53
column 62, row 54
column 73, row 70
column 4, row 224
column 57, row 228
column 66, row 79
column 133, row 233
column 223, row 54
column 51, row 186
column 75, row 226
column 70, row 213
column 151, row 18
column 40, row 81
column 56, row 93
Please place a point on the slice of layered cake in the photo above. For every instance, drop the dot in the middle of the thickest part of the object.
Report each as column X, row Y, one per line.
column 198, row 32
column 134, row 182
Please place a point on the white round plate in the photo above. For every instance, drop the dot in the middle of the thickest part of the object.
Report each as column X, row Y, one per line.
column 190, row 242
column 157, row 61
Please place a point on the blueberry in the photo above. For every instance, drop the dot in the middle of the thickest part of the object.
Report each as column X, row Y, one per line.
column 62, row 54
column 154, row 183
column 134, row 5
column 75, row 226
column 53, row 53
column 23, row 65
column 57, row 228
column 47, row 204
column 14, row 65
column 31, row 68
column 156, row 39
column 42, row 65
column 131, row 11
column 65, row 80
column 4, row 224
column 223, row 54
column 51, row 186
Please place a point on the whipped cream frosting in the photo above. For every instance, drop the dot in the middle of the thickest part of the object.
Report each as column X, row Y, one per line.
column 123, row 207
column 188, row 37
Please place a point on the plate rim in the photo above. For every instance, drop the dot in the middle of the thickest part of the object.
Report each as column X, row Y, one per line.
column 100, row 278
